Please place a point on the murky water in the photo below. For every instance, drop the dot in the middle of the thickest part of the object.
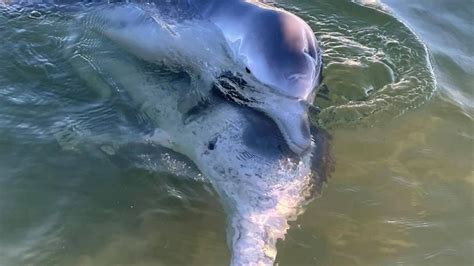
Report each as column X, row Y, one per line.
column 399, row 106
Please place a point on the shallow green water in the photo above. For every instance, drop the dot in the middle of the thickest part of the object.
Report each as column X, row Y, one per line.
column 401, row 193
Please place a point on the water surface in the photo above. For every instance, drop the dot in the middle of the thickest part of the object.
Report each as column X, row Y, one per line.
column 399, row 106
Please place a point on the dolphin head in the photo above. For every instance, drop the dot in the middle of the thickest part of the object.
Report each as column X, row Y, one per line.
column 283, row 56
column 262, row 184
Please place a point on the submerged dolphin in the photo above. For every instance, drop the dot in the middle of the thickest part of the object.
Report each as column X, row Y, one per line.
column 261, row 183
column 274, row 63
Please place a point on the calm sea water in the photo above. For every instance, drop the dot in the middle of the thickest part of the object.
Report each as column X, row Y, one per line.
column 399, row 106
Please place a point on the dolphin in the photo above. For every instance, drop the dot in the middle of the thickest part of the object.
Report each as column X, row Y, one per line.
column 243, row 152
column 261, row 183
column 273, row 61
column 274, row 64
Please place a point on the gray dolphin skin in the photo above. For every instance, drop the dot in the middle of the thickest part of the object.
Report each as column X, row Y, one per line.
column 272, row 51
column 261, row 183
column 279, row 49
column 262, row 171
column 275, row 50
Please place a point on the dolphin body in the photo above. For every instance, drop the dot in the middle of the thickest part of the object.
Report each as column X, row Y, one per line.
column 273, row 61
column 262, row 184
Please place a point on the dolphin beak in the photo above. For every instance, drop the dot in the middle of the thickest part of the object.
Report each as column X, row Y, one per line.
column 288, row 112
column 290, row 115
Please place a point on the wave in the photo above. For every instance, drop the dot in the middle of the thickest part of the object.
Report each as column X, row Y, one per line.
column 376, row 67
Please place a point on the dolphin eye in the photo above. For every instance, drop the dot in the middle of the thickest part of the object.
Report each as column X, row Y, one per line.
column 248, row 70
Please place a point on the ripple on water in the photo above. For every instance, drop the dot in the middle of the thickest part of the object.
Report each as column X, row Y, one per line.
column 385, row 71
column 376, row 68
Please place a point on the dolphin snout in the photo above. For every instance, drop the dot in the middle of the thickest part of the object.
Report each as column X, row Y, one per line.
column 297, row 133
column 290, row 115
column 300, row 142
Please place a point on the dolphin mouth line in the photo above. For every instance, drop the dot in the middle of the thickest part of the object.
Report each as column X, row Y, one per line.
column 234, row 88
column 297, row 148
